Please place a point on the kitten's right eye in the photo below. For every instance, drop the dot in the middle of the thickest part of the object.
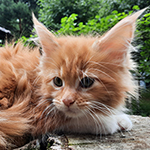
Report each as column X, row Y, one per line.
column 58, row 82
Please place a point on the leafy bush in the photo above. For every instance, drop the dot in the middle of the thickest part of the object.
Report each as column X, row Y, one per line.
column 96, row 25
column 51, row 11
column 143, row 55
column 15, row 15
column 142, row 106
column 28, row 41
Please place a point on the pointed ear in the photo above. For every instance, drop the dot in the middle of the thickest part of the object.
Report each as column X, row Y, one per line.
column 118, row 39
column 46, row 38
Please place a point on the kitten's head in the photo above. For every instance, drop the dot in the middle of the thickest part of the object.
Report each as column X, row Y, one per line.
column 83, row 75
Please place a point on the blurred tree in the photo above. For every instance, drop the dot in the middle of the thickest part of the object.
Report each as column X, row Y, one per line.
column 127, row 5
column 32, row 4
column 143, row 54
column 51, row 11
column 16, row 16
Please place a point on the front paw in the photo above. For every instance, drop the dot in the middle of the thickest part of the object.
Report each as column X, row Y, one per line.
column 124, row 122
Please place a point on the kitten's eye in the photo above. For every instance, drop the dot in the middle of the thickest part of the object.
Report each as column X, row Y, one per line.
column 58, row 82
column 86, row 82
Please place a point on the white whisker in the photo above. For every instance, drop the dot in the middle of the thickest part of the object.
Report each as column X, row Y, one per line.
column 46, row 109
column 102, row 108
column 50, row 114
column 50, row 111
column 102, row 73
column 87, row 61
column 109, row 108
column 96, row 120
column 41, row 103
column 99, row 64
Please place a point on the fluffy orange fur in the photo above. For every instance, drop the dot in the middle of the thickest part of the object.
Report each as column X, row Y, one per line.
column 32, row 105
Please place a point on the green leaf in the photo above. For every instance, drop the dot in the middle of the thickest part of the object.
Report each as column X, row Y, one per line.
column 135, row 7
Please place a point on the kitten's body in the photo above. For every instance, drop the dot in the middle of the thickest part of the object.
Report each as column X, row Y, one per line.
column 79, row 85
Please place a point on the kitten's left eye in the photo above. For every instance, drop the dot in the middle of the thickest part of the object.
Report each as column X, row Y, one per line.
column 58, row 82
column 86, row 82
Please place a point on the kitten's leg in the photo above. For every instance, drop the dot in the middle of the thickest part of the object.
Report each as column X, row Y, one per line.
column 124, row 122
column 113, row 123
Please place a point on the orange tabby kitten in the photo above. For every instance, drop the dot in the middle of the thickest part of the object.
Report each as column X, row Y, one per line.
column 78, row 85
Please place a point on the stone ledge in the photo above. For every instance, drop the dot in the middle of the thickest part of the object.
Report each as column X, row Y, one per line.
column 137, row 139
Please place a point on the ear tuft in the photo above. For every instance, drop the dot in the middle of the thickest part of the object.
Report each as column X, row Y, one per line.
column 117, row 40
column 120, row 36
column 46, row 38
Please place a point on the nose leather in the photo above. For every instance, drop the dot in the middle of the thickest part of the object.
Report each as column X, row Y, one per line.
column 68, row 102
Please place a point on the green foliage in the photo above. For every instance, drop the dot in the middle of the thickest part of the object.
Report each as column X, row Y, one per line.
column 142, row 106
column 127, row 5
column 27, row 40
column 143, row 40
column 92, row 26
column 51, row 11
column 16, row 16
column 1, row 45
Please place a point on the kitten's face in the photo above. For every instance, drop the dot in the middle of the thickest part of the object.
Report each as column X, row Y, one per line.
column 83, row 75
column 81, row 80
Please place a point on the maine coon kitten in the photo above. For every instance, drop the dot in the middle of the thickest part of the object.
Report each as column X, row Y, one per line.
column 78, row 85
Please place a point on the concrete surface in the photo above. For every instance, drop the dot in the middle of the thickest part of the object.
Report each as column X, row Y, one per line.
column 137, row 139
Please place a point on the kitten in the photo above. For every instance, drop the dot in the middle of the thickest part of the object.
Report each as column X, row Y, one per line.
column 78, row 85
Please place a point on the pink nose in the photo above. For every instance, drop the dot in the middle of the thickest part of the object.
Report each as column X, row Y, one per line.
column 68, row 102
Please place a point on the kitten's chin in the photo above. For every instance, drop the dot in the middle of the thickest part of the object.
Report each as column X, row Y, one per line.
column 72, row 113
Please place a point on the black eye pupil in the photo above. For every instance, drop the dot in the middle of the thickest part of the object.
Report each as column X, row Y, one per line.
column 58, row 82
column 86, row 82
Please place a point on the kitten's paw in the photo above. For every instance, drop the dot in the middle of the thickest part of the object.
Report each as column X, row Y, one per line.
column 124, row 122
